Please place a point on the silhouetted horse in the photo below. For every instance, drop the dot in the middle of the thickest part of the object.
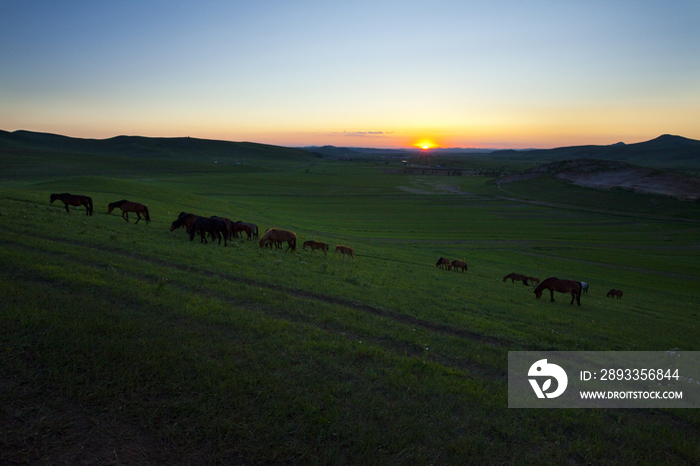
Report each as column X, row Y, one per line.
column 128, row 206
column 313, row 245
column 345, row 250
column 458, row 264
column 534, row 280
column 74, row 199
column 241, row 227
column 229, row 225
column 516, row 277
column 584, row 287
column 184, row 220
column 273, row 235
column 562, row 286
column 216, row 228
column 252, row 227
column 612, row 293
column 443, row 262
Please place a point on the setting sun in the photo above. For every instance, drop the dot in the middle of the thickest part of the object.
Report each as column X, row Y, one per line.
column 425, row 144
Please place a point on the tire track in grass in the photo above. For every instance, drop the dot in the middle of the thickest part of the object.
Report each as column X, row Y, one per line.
column 399, row 347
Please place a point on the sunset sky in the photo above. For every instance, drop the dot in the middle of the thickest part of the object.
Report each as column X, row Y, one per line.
column 496, row 74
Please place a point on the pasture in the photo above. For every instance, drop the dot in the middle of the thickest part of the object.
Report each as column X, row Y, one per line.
column 131, row 344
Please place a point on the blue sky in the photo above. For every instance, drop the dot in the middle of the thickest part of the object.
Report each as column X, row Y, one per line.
column 368, row 73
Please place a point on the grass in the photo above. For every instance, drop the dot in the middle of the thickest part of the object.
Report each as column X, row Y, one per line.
column 126, row 343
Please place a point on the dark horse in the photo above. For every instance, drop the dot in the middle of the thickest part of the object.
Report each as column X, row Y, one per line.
column 216, row 228
column 74, row 199
column 516, row 277
column 458, row 264
column 128, row 206
column 443, row 262
column 562, row 286
column 184, row 220
column 612, row 293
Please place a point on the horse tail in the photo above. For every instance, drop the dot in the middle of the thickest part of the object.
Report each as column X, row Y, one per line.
column 148, row 217
column 89, row 205
column 294, row 243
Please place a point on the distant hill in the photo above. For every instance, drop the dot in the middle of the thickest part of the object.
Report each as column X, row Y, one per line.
column 183, row 148
column 667, row 151
column 606, row 174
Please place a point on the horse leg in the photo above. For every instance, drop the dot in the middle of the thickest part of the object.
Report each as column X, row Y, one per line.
column 551, row 293
column 67, row 210
column 139, row 217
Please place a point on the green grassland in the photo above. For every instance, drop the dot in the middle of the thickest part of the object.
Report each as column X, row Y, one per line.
column 131, row 344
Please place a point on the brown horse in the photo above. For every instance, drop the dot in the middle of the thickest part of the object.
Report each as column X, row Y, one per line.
column 458, row 264
column 252, row 227
column 516, row 277
column 345, row 250
column 128, row 206
column 443, row 262
column 612, row 293
column 534, row 280
column 227, row 222
column 74, row 199
column 241, row 227
column 184, row 220
column 562, row 286
column 313, row 245
column 273, row 235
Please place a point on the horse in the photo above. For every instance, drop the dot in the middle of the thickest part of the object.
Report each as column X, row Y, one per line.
column 241, row 227
column 458, row 264
column 216, row 228
column 584, row 287
column 273, row 235
column 516, row 277
column 443, row 262
column 534, row 280
column 313, row 245
column 253, row 229
column 612, row 293
column 562, row 286
column 345, row 250
column 184, row 220
column 74, row 199
column 128, row 206
column 229, row 225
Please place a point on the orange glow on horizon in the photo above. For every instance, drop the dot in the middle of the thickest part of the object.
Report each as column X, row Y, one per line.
column 425, row 144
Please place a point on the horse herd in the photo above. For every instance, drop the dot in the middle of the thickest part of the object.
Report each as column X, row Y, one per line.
column 217, row 228
column 221, row 227
column 556, row 284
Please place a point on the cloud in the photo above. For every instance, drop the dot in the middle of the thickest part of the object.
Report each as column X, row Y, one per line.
column 363, row 133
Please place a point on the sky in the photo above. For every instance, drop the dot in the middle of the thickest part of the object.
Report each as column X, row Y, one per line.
column 378, row 73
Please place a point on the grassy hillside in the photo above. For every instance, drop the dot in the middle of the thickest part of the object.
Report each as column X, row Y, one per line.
column 130, row 344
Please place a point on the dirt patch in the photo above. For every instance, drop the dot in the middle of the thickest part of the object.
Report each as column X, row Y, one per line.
column 601, row 174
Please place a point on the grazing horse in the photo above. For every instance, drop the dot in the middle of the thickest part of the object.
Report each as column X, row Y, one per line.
column 313, row 245
column 345, row 250
column 516, row 277
column 229, row 225
column 128, row 206
column 216, row 228
column 74, row 199
column 534, row 280
column 241, row 227
column 184, row 220
column 612, row 293
column 458, row 264
column 273, row 235
column 253, row 229
column 562, row 286
column 443, row 262
column 584, row 287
